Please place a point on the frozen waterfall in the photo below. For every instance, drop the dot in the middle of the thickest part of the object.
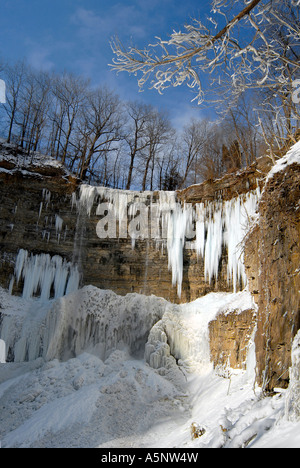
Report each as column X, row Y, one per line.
column 45, row 276
column 206, row 227
column 89, row 319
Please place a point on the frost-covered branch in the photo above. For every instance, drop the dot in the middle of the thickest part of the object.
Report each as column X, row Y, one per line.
column 244, row 53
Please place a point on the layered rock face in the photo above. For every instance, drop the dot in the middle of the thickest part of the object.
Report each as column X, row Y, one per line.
column 272, row 258
column 230, row 337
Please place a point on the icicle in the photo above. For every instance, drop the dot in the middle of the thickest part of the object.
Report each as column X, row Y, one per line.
column 74, row 201
column 224, row 224
column 46, row 196
column 87, row 197
column 58, row 223
column 200, row 229
column 58, row 226
column 213, row 246
column 40, row 211
column 43, row 275
column 179, row 222
column 218, row 224
column 2, row 352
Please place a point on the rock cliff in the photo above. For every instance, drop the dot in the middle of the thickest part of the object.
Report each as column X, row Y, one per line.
column 272, row 258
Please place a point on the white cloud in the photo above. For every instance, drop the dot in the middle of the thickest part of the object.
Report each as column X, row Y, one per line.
column 182, row 115
column 88, row 22
column 39, row 58
column 123, row 20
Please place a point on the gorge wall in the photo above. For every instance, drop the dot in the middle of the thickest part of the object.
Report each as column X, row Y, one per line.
column 49, row 226
column 272, row 259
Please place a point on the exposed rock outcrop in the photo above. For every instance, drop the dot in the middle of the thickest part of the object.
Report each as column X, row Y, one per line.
column 230, row 337
column 272, row 258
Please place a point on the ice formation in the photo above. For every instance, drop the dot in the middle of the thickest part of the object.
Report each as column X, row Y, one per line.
column 293, row 396
column 100, row 322
column 183, row 331
column 58, row 226
column 2, row 352
column 89, row 320
column 45, row 276
column 207, row 227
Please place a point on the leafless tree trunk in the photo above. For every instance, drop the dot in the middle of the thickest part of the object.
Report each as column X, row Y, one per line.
column 136, row 134
column 14, row 81
column 158, row 131
column 70, row 92
column 192, row 142
column 101, row 126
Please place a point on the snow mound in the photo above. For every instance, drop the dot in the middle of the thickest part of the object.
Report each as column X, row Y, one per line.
column 83, row 402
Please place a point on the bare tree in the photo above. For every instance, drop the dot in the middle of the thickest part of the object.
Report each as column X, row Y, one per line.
column 138, row 114
column 191, row 145
column 100, row 128
column 33, row 108
column 157, row 132
column 242, row 123
column 14, row 76
column 70, row 93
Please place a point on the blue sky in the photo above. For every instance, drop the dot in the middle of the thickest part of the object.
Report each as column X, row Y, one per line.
column 74, row 35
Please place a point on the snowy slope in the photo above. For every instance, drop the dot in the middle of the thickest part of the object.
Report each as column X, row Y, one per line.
column 117, row 400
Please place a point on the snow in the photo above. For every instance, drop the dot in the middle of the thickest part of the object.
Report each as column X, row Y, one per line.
column 106, row 395
column 293, row 395
column 292, row 157
column 25, row 163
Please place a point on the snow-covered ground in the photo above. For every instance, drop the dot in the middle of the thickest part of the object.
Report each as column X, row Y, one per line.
column 109, row 397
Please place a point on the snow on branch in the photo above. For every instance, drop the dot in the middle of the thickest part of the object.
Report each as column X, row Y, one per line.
column 247, row 49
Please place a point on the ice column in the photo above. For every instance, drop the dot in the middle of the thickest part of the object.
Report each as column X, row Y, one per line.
column 2, row 352
column 237, row 218
column 45, row 276
column 179, row 221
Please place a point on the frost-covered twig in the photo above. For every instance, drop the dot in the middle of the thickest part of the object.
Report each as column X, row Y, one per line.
column 244, row 49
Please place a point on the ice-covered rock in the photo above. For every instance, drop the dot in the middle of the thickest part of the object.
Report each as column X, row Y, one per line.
column 183, row 332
